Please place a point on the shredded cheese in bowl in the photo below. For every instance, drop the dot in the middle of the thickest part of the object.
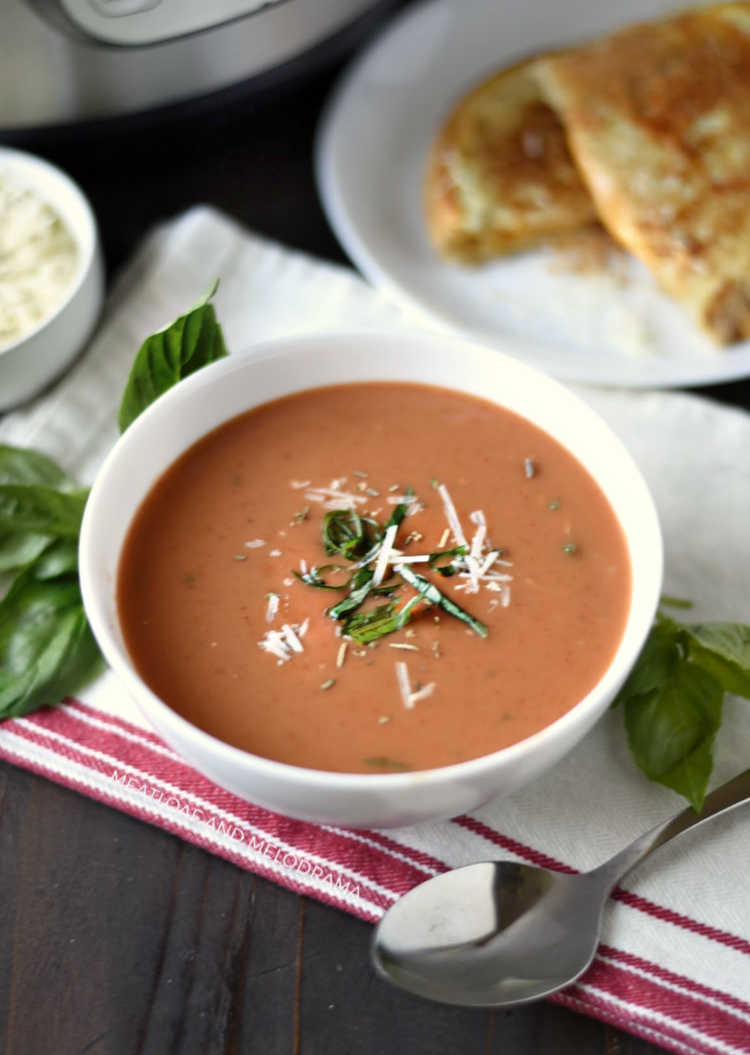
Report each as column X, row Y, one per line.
column 38, row 260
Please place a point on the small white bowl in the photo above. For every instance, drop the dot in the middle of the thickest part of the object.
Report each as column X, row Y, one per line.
column 42, row 353
column 227, row 388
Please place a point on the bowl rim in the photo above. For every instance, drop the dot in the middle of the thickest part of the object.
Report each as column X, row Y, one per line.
column 291, row 345
column 88, row 246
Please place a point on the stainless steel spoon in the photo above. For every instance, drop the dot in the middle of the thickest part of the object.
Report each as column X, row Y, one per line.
column 498, row 933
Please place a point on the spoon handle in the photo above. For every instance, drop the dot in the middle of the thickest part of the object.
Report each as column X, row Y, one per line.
column 726, row 797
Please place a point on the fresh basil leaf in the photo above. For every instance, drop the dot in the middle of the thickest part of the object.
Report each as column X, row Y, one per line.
column 38, row 509
column 47, row 650
column 20, row 465
column 189, row 343
column 731, row 678
column 58, row 560
column 656, row 663
column 17, row 549
column 690, row 776
column 723, row 649
column 671, row 729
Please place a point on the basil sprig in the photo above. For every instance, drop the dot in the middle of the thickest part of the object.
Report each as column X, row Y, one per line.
column 673, row 699
column 190, row 342
column 36, row 473
column 47, row 650
column 34, row 508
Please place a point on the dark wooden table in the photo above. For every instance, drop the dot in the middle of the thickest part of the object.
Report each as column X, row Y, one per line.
column 118, row 938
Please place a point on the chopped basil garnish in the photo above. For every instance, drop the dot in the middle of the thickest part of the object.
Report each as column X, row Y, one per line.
column 400, row 511
column 430, row 593
column 366, row 627
column 359, row 587
column 359, row 539
column 351, row 536
column 446, row 570
column 313, row 576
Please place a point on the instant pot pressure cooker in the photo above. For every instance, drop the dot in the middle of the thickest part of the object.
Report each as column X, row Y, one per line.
column 71, row 61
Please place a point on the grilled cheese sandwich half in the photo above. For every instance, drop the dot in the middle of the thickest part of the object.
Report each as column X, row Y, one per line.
column 500, row 176
column 658, row 120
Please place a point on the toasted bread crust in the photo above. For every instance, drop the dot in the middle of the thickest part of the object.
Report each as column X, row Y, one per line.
column 658, row 120
column 500, row 176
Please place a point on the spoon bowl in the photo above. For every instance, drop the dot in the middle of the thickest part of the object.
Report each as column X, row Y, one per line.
column 500, row 933
column 490, row 934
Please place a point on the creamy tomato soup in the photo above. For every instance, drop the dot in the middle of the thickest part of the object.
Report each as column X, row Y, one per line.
column 225, row 586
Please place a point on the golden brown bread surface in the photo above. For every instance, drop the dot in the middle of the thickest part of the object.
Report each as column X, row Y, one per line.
column 500, row 176
column 658, row 120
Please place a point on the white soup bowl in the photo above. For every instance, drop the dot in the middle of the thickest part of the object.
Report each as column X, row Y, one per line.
column 271, row 370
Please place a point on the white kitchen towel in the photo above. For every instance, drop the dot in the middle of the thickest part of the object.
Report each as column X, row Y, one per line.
column 674, row 964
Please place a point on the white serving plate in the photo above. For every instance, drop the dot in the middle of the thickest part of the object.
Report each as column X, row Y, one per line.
column 371, row 153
